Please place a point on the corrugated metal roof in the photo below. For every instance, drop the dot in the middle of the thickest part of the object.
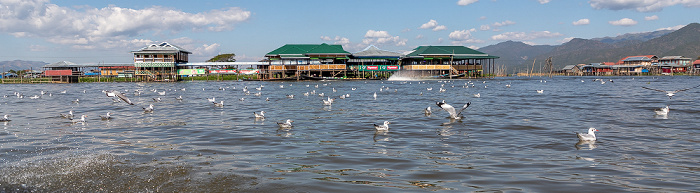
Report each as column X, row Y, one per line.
column 67, row 64
column 162, row 48
column 374, row 52
column 306, row 49
column 637, row 58
column 457, row 52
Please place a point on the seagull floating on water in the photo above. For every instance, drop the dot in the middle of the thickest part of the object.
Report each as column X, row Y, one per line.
column 540, row 91
column 260, row 115
column 671, row 93
column 108, row 116
column 212, row 99
column 148, row 109
column 81, row 120
column 328, row 102
column 453, row 114
column 286, row 125
column 662, row 111
column 219, row 104
column 69, row 115
column 5, row 118
column 477, row 95
column 590, row 136
column 384, row 127
column 427, row 111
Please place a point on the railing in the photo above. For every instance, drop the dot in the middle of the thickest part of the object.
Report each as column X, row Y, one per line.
column 154, row 60
column 321, row 67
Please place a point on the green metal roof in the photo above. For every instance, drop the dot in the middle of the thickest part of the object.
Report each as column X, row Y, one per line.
column 308, row 49
column 458, row 52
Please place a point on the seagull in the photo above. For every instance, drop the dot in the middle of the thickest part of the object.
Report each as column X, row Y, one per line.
column 286, row 125
column 106, row 117
column 261, row 115
column 69, row 115
column 375, row 95
column 384, row 127
column 119, row 95
column 328, row 102
column 156, row 99
column 453, row 114
column 540, row 91
column 427, row 111
column 590, row 136
column 76, row 101
column 671, row 93
column 662, row 111
column 291, row 96
column 212, row 99
column 5, row 118
column 161, row 93
column 178, row 98
column 148, row 109
column 81, row 120
column 477, row 95
column 267, row 99
column 241, row 99
column 220, row 104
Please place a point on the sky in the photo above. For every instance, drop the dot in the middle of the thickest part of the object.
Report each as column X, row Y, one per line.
column 100, row 31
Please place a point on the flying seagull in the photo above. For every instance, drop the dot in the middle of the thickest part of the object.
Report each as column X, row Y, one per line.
column 453, row 114
column 119, row 95
column 671, row 93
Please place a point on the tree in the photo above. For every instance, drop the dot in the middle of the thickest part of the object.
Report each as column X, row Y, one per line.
column 223, row 58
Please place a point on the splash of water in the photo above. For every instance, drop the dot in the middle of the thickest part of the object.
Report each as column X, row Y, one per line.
column 408, row 76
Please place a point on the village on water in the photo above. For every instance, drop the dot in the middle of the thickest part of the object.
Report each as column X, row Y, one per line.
column 166, row 62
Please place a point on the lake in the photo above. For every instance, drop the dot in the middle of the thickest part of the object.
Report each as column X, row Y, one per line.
column 511, row 139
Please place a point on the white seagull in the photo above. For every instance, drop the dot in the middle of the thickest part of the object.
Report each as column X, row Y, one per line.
column 384, row 127
column 5, row 118
column 427, row 111
column 285, row 125
column 69, row 115
column 671, row 93
column 540, row 91
column 662, row 111
column 261, row 115
column 81, row 120
column 212, row 99
column 453, row 114
column 219, row 104
column 328, row 102
column 108, row 116
column 148, row 109
column 590, row 136
column 119, row 95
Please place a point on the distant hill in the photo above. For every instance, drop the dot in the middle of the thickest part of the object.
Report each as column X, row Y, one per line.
column 21, row 65
column 517, row 56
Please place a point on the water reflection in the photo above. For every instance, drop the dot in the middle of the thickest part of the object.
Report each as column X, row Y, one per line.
column 585, row 145
column 381, row 136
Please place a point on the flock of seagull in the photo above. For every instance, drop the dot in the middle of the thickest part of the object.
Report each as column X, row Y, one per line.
column 454, row 114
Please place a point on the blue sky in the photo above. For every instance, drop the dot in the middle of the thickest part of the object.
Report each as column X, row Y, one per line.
column 88, row 31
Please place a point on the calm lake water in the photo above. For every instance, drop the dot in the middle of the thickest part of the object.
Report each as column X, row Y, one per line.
column 511, row 139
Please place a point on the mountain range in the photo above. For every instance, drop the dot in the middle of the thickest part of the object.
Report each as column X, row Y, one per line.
column 21, row 65
column 518, row 56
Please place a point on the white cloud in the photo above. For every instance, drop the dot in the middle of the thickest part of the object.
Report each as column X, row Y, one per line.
column 377, row 34
column 419, row 36
column 484, row 27
column 466, row 2
column 653, row 17
column 566, row 40
column 582, row 22
column 439, row 28
column 544, row 1
column 641, row 5
column 672, row 28
column 623, row 22
column 337, row 40
column 93, row 27
column 37, row 48
column 473, row 47
column 431, row 24
column 520, row 36
column 505, row 23
column 462, row 37
column 207, row 50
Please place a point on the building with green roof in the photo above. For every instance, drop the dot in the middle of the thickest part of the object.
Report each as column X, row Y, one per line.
column 318, row 60
column 452, row 60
